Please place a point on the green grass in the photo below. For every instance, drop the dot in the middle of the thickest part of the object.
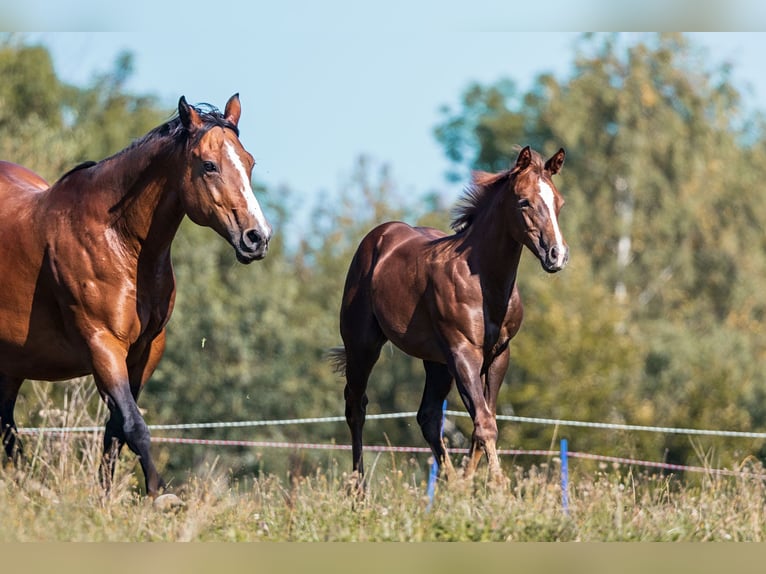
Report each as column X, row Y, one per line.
column 58, row 499
column 55, row 496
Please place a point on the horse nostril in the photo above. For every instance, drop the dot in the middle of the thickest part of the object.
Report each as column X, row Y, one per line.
column 553, row 254
column 252, row 238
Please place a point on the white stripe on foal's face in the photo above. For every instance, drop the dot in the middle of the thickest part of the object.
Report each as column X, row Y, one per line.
column 546, row 193
column 246, row 189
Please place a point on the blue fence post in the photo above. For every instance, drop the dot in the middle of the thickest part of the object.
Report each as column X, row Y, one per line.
column 434, row 473
column 565, row 476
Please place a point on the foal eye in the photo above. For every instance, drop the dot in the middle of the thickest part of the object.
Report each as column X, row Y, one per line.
column 209, row 167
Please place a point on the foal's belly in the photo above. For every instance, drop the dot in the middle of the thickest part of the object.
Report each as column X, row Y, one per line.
column 419, row 345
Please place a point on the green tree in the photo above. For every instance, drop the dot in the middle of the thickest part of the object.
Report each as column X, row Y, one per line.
column 49, row 126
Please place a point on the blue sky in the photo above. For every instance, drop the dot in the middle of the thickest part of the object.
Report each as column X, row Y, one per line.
column 319, row 90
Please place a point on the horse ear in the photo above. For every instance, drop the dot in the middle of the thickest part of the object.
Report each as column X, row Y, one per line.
column 524, row 159
column 554, row 164
column 233, row 110
column 189, row 116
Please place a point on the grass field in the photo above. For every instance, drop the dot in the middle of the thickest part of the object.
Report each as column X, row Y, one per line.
column 55, row 496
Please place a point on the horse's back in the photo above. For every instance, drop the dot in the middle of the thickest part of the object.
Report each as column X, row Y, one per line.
column 386, row 244
column 396, row 236
column 15, row 178
column 387, row 286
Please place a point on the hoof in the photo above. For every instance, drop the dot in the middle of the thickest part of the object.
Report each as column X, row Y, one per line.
column 166, row 502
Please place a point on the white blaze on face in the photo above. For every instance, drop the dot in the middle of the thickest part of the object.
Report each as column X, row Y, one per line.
column 546, row 193
column 246, row 189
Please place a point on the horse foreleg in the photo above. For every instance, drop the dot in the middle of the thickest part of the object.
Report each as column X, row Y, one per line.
column 9, row 390
column 495, row 376
column 125, row 424
column 114, row 440
column 466, row 368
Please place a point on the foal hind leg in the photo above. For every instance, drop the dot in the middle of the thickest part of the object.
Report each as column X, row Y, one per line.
column 358, row 371
column 361, row 355
column 430, row 415
column 9, row 390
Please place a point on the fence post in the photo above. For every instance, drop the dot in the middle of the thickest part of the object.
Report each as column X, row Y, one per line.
column 565, row 476
column 434, row 473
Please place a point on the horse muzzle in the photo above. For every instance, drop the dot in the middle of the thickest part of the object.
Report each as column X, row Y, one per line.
column 253, row 245
column 555, row 258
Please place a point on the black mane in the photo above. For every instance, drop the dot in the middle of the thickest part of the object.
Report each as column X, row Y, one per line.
column 172, row 130
column 176, row 131
column 78, row 167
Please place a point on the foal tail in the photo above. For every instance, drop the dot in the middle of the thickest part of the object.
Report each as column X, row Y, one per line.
column 336, row 356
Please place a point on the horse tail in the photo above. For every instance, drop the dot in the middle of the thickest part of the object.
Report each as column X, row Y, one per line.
column 337, row 359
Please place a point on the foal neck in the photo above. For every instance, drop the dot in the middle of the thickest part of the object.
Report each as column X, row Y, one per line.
column 493, row 254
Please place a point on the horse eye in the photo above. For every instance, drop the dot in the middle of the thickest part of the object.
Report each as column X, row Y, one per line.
column 209, row 167
column 523, row 202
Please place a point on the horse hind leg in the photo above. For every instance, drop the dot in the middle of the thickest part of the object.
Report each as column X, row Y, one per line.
column 430, row 415
column 360, row 359
column 9, row 391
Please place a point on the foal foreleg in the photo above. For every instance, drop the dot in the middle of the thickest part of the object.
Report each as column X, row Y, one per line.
column 466, row 367
column 494, row 380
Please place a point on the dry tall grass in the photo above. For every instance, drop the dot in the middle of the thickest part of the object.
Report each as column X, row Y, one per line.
column 55, row 496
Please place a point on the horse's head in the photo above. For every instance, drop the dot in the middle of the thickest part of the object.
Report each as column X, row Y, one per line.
column 538, row 203
column 216, row 191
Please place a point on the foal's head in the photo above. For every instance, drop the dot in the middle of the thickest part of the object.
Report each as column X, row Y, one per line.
column 524, row 202
column 537, row 206
column 216, row 191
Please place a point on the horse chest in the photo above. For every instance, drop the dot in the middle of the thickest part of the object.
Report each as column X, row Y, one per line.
column 155, row 306
column 502, row 323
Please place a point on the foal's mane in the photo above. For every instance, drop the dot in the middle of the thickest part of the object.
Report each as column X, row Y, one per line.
column 482, row 190
column 172, row 131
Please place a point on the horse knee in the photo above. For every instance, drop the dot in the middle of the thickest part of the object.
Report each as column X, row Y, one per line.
column 485, row 432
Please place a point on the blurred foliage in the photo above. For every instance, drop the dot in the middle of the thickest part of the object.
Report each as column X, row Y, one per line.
column 49, row 126
column 656, row 321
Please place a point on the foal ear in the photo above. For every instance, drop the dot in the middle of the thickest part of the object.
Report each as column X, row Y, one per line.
column 189, row 116
column 524, row 159
column 554, row 164
column 233, row 109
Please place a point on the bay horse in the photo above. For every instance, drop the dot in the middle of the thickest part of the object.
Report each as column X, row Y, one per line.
column 87, row 283
column 451, row 300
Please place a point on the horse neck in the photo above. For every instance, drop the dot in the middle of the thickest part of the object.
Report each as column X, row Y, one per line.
column 147, row 209
column 494, row 255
